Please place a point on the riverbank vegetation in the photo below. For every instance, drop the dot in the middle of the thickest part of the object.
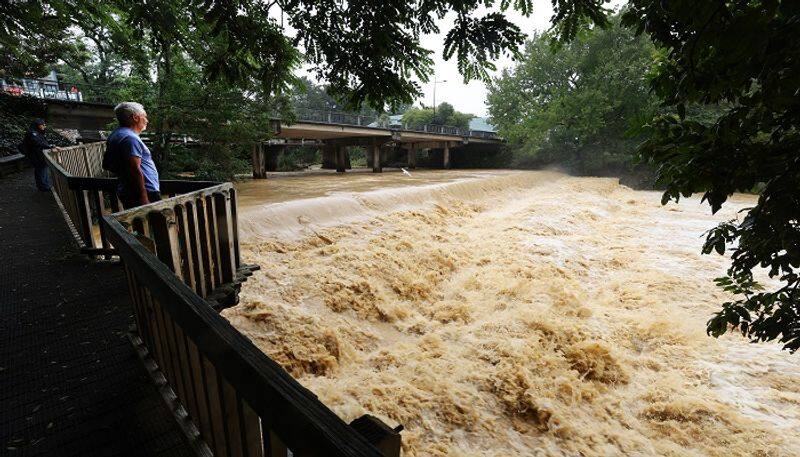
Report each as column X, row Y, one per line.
column 580, row 105
column 444, row 114
column 16, row 116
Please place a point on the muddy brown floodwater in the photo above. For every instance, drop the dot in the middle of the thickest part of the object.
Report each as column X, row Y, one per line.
column 510, row 313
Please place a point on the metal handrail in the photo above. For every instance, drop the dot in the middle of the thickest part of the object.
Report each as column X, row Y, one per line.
column 84, row 92
column 345, row 118
column 57, row 90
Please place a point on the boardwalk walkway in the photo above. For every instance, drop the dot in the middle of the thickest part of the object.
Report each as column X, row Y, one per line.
column 70, row 382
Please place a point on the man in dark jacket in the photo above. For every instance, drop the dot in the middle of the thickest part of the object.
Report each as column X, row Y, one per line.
column 33, row 146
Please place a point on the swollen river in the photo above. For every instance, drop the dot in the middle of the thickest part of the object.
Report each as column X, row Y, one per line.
column 509, row 313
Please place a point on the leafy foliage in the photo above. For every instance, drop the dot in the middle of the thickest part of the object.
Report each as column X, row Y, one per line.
column 33, row 35
column 576, row 105
column 746, row 55
column 369, row 52
column 445, row 115
column 16, row 116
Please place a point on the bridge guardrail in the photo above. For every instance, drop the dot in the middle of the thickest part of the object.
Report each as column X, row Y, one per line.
column 344, row 118
column 58, row 90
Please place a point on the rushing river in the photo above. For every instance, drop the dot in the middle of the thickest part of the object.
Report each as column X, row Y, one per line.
column 509, row 313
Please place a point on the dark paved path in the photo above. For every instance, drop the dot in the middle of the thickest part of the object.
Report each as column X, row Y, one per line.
column 70, row 383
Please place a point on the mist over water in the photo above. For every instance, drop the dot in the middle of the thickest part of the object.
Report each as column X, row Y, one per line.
column 509, row 313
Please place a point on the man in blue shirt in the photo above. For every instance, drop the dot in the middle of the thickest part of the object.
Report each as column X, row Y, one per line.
column 133, row 163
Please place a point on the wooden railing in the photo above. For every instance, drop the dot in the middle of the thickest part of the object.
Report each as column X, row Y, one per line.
column 233, row 399
column 197, row 237
column 182, row 263
column 86, row 192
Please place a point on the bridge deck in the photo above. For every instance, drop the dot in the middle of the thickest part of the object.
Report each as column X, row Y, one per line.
column 70, row 382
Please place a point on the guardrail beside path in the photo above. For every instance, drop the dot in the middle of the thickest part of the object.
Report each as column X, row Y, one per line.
column 181, row 255
column 86, row 192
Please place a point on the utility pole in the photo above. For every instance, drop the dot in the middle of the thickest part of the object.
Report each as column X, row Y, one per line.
column 434, row 94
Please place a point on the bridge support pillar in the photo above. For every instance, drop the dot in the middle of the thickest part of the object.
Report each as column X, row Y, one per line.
column 271, row 156
column 328, row 157
column 265, row 158
column 259, row 162
column 341, row 161
column 412, row 157
column 376, row 158
column 446, row 155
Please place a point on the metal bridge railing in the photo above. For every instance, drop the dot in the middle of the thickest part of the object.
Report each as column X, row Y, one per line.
column 91, row 93
column 58, row 90
column 344, row 118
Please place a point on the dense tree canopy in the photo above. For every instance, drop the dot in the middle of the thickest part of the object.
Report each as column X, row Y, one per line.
column 727, row 75
column 746, row 55
column 579, row 105
column 368, row 52
column 445, row 114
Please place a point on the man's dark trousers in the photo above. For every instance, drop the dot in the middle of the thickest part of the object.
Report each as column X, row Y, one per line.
column 42, row 176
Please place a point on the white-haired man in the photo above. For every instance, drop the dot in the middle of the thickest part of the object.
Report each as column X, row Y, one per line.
column 129, row 158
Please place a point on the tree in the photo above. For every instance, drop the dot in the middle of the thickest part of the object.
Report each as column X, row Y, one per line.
column 576, row 105
column 745, row 54
column 368, row 51
column 445, row 115
column 34, row 34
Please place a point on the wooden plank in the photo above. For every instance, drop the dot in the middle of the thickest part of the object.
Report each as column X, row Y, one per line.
column 195, row 240
column 165, row 236
column 170, row 203
column 235, row 230
column 191, row 433
column 146, row 332
column 154, row 338
column 233, row 427
column 86, row 163
column 138, row 312
column 217, row 416
column 222, row 207
column 167, row 186
column 273, row 446
column 164, row 362
column 204, row 243
column 176, row 382
column 190, row 402
column 284, row 405
column 85, row 217
column 100, row 206
column 201, row 391
column 184, row 241
column 251, row 430
column 213, row 238
column 113, row 198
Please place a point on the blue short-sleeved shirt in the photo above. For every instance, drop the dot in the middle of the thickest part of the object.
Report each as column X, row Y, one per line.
column 124, row 142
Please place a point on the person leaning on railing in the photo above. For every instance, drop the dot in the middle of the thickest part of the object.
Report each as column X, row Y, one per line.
column 33, row 146
column 128, row 157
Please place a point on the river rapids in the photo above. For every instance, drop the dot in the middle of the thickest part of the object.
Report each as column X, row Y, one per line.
column 510, row 313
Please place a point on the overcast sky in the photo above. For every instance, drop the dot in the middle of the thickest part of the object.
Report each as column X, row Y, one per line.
column 471, row 97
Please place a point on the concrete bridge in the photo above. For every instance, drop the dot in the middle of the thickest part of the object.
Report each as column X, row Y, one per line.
column 336, row 132
column 86, row 107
